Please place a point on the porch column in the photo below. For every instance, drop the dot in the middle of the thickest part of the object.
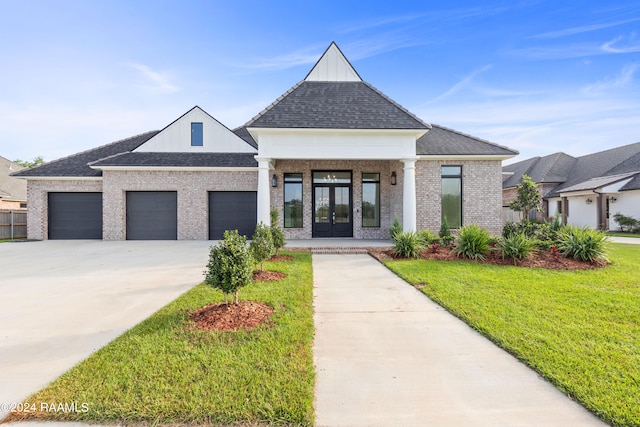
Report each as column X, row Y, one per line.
column 409, row 196
column 264, row 191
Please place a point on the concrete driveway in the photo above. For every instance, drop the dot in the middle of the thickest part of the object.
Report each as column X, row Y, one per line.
column 62, row 300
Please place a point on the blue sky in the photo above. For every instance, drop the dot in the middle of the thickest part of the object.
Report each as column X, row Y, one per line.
column 537, row 76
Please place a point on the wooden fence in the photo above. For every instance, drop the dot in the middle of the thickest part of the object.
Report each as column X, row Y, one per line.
column 13, row 224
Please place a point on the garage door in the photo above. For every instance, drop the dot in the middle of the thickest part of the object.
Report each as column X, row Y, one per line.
column 232, row 210
column 75, row 215
column 152, row 215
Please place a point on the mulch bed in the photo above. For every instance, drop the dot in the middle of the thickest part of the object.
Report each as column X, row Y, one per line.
column 267, row 276
column 539, row 259
column 231, row 317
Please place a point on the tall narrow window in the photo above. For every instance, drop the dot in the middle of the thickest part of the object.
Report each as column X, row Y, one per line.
column 371, row 200
column 452, row 195
column 292, row 200
column 196, row 134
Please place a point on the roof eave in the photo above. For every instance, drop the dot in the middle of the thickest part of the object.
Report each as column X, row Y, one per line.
column 177, row 168
column 465, row 156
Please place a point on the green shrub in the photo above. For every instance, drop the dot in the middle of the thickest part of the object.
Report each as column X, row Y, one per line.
column 276, row 232
column 261, row 245
column 584, row 243
column 510, row 228
column 516, row 246
column 428, row 237
column 445, row 232
column 472, row 242
column 407, row 245
column 396, row 228
column 627, row 222
column 230, row 265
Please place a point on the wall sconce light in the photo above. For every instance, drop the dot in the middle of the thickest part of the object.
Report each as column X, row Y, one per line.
column 394, row 178
column 612, row 199
column 274, row 180
column 589, row 201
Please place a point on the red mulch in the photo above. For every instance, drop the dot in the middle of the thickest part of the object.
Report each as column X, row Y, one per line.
column 231, row 317
column 281, row 258
column 267, row 276
column 539, row 259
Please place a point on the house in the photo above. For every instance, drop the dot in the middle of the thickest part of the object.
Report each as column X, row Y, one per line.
column 13, row 191
column 586, row 190
column 334, row 155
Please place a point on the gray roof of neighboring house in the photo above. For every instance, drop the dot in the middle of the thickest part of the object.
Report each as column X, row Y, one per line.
column 577, row 173
column 243, row 133
column 138, row 159
column 78, row 164
column 11, row 188
column 600, row 181
column 335, row 105
column 444, row 141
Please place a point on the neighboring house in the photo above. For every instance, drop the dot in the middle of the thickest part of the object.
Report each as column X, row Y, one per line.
column 13, row 191
column 586, row 190
column 334, row 155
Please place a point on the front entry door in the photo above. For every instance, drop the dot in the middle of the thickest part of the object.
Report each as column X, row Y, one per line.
column 332, row 205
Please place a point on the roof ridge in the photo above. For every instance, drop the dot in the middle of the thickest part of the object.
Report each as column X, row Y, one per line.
column 476, row 138
column 612, row 149
column 403, row 109
column 555, row 160
column 120, row 141
column 270, row 106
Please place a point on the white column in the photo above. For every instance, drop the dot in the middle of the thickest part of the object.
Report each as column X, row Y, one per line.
column 264, row 191
column 409, row 196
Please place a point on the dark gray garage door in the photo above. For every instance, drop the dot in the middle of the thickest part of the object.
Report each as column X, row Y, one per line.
column 75, row 215
column 232, row 210
column 152, row 215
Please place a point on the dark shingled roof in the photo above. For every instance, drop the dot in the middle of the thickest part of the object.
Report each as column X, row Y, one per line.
column 143, row 159
column 76, row 165
column 335, row 105
column 553, row 168
column 444, row 141
column 243, row 133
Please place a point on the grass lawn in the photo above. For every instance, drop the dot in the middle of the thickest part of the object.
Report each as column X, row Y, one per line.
column 579, row 329
column 165, row 371
column 620, row 234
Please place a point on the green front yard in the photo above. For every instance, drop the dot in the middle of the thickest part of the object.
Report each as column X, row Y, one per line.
column 579, row 329
column 166, row 371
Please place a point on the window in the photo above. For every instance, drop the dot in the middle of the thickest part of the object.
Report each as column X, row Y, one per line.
column 559, row 207
column 452, row 195
column 292, row 200
column 196, row 134
column 371, row 200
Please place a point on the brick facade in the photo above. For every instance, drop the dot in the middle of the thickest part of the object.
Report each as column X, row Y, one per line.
column 37, row 200
column 193, row 199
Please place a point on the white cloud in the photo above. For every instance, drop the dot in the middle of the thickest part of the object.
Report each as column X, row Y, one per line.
column 581, row 29
column 462, row 83
column 613, row 46
column 619, row 81
column 156, row 82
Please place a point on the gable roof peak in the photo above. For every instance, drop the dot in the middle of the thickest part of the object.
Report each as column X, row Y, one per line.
column 333, row 66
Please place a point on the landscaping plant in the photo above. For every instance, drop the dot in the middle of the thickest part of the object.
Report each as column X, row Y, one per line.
column 407, row 244
column 516, row 247
column 276, row 232
column 396, row 228
column 583, row 243
column 445, row 232
column 528, row 198
column 261, row 246
column 472, row 242
column 230, row 265
column 428, row 237
column 627, row 222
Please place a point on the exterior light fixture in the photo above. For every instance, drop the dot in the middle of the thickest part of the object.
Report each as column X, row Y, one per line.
column 612, row 199
column 394, row 178
column 274, row 180
column 589, row 201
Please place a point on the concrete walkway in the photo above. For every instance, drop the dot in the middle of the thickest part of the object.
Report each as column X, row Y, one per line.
column 388, row 356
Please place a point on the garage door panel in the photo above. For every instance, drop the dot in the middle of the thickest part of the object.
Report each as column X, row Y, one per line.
column 75, row 215
column 152, row 215
column 232, row 210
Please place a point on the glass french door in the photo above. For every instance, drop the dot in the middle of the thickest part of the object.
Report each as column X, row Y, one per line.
column 332, row 204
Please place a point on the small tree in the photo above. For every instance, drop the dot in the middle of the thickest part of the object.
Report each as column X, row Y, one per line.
column 396, row 228
column 445, row 232
column 37, row 161
column 230, row 265
column 627, row 222
column 276, row 232
column 528, row 198
column 261, row 245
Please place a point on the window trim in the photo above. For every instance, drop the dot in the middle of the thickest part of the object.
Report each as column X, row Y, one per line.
column 442, row 176
column 201, row 134
column 378, row 198
column 284, row 200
